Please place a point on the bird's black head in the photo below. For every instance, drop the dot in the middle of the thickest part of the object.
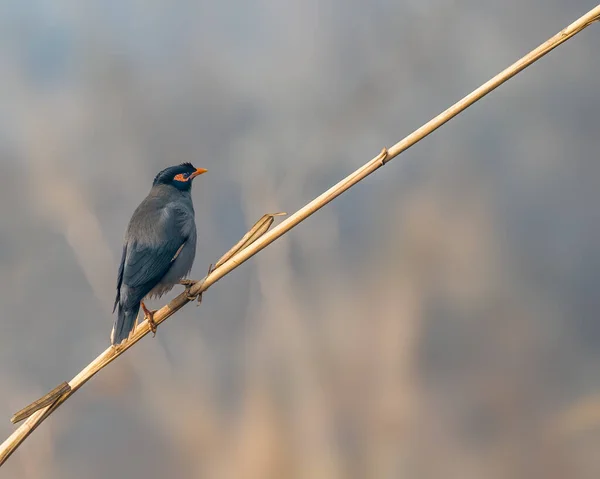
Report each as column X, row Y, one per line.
column 179, row 176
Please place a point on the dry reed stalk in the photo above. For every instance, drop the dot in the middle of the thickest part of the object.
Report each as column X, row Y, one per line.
column 110, row 354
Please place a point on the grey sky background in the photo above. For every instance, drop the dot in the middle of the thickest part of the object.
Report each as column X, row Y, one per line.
column 438, row 320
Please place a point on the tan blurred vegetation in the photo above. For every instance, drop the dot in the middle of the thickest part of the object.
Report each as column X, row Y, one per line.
column 438, row 321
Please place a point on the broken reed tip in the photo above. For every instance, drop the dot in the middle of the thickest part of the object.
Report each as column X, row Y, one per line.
column 42, row 402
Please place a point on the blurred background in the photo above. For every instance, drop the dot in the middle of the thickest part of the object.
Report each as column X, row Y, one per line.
column 438, row 320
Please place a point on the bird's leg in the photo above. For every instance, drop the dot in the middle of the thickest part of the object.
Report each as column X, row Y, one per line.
column 149, row 316
column 188, row 283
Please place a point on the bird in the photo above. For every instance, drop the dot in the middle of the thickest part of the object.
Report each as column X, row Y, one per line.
column 158, row 249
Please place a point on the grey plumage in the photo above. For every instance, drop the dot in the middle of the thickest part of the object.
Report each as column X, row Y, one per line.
column 159, row 246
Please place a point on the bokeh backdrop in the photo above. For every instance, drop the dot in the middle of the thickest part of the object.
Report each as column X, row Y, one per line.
column 440, row 320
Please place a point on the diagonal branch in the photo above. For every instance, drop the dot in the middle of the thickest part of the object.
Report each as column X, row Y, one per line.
column 110, row 354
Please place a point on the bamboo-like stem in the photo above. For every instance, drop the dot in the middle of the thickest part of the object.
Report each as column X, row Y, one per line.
column 44, row 401
column 110, row 354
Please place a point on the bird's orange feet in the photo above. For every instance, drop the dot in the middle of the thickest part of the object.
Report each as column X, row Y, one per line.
column 149, row 316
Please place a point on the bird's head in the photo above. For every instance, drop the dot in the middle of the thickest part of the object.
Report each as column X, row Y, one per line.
column 179, row 176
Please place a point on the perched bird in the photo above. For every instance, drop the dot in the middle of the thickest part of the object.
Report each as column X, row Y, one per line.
column 159, row 247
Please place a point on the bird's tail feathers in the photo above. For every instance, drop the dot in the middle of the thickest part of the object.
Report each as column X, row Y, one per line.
column 124, row 324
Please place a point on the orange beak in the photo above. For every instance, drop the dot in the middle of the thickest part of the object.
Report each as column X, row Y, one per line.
column 198, row 171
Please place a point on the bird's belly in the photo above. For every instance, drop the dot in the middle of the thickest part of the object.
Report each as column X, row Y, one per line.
column 179, row 269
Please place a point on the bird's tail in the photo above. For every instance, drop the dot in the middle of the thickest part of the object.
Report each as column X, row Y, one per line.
column 124, row 323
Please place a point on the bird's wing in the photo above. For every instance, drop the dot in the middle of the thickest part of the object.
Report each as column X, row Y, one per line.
column 152, row 246
column 120, row 276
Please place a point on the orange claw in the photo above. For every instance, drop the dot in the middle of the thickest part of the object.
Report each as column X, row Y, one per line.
column 149, row 316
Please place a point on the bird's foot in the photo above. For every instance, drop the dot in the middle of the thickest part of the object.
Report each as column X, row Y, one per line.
column 189, row 283
column 149, row 316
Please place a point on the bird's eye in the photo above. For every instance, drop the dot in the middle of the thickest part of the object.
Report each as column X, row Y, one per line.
column 182, row 177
